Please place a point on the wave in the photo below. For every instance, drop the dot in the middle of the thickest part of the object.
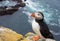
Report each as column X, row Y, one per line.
column 54, row 33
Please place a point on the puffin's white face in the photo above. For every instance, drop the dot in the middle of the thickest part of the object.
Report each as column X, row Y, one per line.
column 37, row 15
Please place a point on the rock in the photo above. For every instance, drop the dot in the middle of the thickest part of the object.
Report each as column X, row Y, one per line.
column 9, row 7
column 29, row 34
column 0, row 0
column 9, row 35
column 26, row 39
column 29, row 37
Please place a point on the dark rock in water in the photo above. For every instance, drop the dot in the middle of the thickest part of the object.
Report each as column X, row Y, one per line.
column 21, row 5
column 0, row 0
column 10, row 6
column 18, row 0
column 24, row 0
column 8, row 12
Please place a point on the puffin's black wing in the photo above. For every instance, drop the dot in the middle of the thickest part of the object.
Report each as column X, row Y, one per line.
column 46, row 34
column 45, row 30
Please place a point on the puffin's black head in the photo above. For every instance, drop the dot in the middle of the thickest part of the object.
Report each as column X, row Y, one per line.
column 38, row 16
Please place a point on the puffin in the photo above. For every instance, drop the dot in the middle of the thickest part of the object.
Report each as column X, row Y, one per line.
column 40, row 27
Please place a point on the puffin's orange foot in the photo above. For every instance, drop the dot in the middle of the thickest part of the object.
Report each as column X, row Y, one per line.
column 36, row 37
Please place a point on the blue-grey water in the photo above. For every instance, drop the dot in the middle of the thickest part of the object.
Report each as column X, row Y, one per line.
column 19, row 20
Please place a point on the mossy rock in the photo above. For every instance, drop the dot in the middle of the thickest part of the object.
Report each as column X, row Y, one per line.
column 29, row 34
column 9, row 35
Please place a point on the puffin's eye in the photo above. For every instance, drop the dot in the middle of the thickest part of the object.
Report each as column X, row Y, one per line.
column 38, row 14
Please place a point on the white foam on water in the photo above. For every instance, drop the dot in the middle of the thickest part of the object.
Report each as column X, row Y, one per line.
column 8, row 3
column 54, row 33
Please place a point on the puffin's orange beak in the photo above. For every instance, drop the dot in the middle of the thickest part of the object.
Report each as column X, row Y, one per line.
column 33, row 15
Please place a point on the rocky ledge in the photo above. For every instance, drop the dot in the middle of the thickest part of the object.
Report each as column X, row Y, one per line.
column 7, row 34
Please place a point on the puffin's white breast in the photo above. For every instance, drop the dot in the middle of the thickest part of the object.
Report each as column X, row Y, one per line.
column 35, row 27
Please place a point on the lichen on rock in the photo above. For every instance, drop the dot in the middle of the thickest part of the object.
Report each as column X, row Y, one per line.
column 9, row 35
